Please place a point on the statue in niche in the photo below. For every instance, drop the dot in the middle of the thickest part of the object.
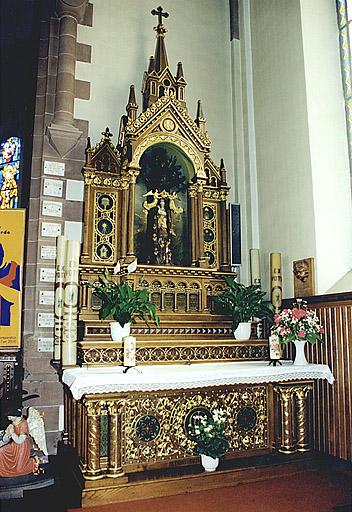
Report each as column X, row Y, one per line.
column 160, row 206
column 163, row 186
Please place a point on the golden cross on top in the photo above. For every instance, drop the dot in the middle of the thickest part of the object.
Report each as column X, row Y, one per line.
column 159, row 12
column 107, row 134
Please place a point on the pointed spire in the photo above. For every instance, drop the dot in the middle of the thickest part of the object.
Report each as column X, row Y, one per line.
column 132, row 96
column 160, row 58
column 179, row 73
column 200, row 119
column 160, row 55
column 88, row 152
column 200, row 115
column 151, row 64
column 222, row 171
column 132, row 106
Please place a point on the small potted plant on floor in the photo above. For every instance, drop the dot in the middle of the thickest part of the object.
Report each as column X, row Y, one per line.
column 208, row 434
column 243, row 304
column 123, row 304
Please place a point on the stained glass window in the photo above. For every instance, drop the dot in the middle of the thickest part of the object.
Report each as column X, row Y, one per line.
column 344, row 18
column 10, row 157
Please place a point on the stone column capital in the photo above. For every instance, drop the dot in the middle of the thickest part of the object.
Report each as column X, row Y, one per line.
column 74, row 8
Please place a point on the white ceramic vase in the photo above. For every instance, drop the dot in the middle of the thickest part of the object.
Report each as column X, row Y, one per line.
column 300, row 356
column 118, row 332
column 208, row 463
column 243, row 331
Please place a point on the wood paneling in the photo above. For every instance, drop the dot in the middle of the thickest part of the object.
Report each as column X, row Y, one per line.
column 332, row 414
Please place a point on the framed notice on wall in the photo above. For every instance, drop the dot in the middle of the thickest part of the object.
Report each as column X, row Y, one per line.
column 12, row 226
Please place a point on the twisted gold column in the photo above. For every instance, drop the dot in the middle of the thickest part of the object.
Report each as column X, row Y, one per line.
column 114, row 468
column 93, row 469
column 301, row 394
column 285, row 395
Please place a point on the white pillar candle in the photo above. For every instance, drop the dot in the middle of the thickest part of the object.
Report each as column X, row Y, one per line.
column 255, row 266
column 59, row 291
column 69, row 333
column 276, row 280
column 129, row 351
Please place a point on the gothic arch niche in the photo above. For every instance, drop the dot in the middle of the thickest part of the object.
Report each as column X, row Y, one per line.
column 161, row 206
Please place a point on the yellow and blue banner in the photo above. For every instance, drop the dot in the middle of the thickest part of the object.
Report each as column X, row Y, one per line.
column 12, row 229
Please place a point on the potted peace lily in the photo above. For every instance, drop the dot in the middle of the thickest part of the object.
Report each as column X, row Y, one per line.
column 208, row 434
column 243, row 304
column 298, row 325
column 123, row 304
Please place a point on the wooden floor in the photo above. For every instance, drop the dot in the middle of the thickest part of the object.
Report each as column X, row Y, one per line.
column 279, row 484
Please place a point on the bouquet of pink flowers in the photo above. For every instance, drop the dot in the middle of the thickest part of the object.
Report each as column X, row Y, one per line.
column 298, row 323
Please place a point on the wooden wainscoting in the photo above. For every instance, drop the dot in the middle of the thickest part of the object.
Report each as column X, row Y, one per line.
column 332, row 425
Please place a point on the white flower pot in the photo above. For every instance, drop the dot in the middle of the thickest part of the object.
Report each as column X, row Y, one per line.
column 118, row 332
column 243, row 331
column 300, row 356
column 208, row 463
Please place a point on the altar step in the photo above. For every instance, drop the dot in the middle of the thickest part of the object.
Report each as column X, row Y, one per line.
column 191, row 479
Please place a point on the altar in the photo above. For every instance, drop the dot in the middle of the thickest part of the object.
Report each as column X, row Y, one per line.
column 156, row 217
column 121, row 423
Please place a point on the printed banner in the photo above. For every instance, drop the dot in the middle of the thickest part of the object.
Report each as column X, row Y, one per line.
column 12, row 226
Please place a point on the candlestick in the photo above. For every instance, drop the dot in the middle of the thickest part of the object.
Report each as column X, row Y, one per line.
column 59, row 290
column 255, row 266
column 129, row 351
column 69, row 333
column 276, row 280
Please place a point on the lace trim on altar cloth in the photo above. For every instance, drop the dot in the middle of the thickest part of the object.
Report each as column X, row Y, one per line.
column 166, row 377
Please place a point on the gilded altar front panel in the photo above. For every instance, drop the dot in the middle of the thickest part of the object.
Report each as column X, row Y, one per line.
column 154, row 426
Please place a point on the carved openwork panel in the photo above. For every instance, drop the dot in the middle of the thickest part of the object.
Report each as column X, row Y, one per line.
column 105, row 226
column 154, row 426
column 176, row 353
column 210, row 219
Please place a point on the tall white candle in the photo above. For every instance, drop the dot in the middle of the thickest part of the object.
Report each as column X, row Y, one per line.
column 129, row 351
column 255, row 266
column 276, row 280
column 69, row 334
column 59, row 291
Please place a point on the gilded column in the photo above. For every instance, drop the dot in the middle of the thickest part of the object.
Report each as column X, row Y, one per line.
column 124, row 215
column 133, row 172
column 93, row 469
column 285, row 395
column 224, row 263
column 87, row 227
column 301, row 394
column 115, row 444
column 201, row 258
column 194, row 224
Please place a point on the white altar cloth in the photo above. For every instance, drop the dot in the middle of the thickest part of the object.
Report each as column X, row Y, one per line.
column 182, row 376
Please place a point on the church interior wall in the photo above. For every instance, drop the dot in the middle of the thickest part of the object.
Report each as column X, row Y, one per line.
column 301, row 146
column 285, row 188
column 328, row 144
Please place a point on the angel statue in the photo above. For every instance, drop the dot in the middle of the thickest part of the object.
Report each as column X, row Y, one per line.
column 15, row 447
